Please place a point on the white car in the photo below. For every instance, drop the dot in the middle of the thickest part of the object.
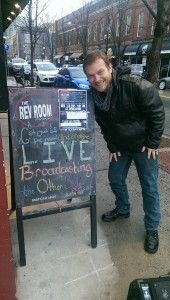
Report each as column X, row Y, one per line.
column 137, row 69
column 44, row 73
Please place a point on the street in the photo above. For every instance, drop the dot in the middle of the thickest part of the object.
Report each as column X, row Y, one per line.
column 165, row 96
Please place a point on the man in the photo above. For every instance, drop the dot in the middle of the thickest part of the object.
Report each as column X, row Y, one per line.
column 131, row 116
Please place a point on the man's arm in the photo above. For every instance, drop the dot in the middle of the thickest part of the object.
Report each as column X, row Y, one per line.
column 151, row 105
column 110, row 145
column 113, row 153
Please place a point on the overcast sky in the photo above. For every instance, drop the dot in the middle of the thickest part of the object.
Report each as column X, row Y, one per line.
column 60, row 8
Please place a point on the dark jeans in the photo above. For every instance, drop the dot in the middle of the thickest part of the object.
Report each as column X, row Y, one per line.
column 147, row 170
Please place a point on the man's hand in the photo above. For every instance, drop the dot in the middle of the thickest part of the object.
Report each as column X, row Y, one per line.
column 114, row 155
column 151, row 152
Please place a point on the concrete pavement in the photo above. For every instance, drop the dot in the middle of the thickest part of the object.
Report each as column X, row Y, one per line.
column 61, row 265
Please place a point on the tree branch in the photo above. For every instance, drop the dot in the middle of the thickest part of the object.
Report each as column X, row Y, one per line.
column 150, row 9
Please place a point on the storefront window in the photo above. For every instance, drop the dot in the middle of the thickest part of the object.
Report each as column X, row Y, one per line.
column 165, row 66
column 140, row 24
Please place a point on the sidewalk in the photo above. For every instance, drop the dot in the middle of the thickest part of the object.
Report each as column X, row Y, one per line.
column 61, row 265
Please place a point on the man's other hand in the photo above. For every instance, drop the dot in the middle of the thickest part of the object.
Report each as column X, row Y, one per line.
column 150, row 152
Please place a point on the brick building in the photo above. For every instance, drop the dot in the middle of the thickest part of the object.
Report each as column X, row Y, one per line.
column 18, row 39
column 125, row 26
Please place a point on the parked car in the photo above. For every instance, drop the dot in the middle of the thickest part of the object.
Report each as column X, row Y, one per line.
column 44, row 73
column 164, row 83
column 72, row 77
column 138, row 69
column 22, row 76
column 15, row 64
column 67, row 65
column 164, row 71
column 27, row 71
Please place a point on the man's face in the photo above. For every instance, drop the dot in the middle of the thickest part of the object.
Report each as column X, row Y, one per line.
column 99, row 75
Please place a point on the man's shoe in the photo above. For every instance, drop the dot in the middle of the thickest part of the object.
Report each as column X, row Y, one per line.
column 151, row 241
column 113, row 215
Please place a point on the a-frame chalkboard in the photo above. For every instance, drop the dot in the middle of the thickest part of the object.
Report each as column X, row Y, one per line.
column 53, row 150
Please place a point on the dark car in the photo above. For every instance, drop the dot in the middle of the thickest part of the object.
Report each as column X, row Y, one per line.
column 138, row 69
column 72, row 78
column 23, row 75
column 27, row 71
column 15, row 64
column 164, row 83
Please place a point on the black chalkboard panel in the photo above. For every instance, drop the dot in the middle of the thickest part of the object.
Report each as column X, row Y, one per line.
column 53, row 145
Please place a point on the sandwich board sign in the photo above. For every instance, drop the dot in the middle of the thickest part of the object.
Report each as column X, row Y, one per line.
column 53, row 145
column 53, row 153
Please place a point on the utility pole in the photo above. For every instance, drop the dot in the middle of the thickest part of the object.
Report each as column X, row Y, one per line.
column 31, row 41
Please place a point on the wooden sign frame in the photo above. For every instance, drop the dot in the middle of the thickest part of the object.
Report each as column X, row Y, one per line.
column 53, row 115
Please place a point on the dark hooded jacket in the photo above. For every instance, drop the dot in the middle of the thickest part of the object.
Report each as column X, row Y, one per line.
column 136, row 115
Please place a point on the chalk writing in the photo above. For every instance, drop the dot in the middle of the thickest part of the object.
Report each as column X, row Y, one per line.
column 27, row 191
column 74, row 136
column 43, row 186
column 28, row 173
column 68, row 148
column 36, row 111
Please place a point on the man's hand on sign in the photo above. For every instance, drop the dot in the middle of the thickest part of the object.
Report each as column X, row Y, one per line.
column 114, row 156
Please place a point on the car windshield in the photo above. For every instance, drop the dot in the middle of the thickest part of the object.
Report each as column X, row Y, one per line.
column 77, row 73
column 27, row 67
column 137, row 67
column 18, row 61
column 46, row 67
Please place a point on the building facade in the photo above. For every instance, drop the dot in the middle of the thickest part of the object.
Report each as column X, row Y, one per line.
column 126, row 27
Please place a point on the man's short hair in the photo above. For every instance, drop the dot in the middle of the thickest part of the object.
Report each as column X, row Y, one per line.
column 93, row 56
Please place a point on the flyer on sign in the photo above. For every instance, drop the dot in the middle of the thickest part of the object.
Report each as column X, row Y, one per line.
column 73, row 109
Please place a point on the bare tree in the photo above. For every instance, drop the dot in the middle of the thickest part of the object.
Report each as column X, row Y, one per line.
column 33, row 23
column 115, row 24
column 49, row 28
column 61, row 40
column 117, row 28
column 82, row 25
column 162, row 19
column 104, row 29
column 65, row 36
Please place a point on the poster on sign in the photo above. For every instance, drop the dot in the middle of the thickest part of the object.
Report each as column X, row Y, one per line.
column 52, row 135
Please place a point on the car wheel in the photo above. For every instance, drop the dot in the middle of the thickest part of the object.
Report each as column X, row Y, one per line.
column 39, row 82
column 162, row 85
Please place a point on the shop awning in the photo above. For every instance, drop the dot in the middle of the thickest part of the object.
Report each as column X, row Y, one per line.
column 165, row 47
column 76, row 55
column 122, row 50
column 8, row 6
column 58, row 56
column 131, row 49
column 144, row 49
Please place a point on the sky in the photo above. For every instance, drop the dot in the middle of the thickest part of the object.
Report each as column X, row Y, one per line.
column 60, row 8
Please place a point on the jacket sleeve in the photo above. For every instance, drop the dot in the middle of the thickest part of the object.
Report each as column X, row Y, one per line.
column 151, row 106
column 110, row 145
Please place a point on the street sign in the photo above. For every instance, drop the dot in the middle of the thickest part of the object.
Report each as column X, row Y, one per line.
column 6, row 47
